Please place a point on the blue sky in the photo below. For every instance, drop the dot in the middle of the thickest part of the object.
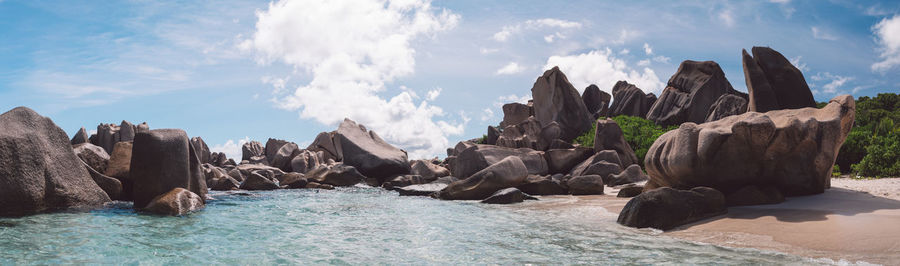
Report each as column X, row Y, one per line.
column 422, row 74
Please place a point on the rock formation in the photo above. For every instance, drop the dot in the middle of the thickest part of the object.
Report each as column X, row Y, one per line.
column 162, row 160
column 556, row 100
column 94, row 156
column 202, row 149
column 630, row 100
column 726, row 105
column 792, row 150
column 609, row 136
column 38, row 169
column 666, row 208
column 690, row 93
column 596, row 101
column 479, row 156
column 509, row 172
column 368, row 153
column 773, row 82
column 176, row 202
column 515, row 113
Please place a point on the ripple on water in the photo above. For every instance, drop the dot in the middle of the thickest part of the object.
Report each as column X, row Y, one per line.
column 356, row 225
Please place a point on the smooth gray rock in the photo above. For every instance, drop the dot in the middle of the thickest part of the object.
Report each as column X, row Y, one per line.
column 202, row 149
column 515, row 113
column 563, row 160
column 368, row 153
column 272, row 148
column 80, row 137
column 256, row 181
column 339, row 175
column 666, row 208
column 509, row 172
column 421, row 190
column 585, row 185
column 428, row 170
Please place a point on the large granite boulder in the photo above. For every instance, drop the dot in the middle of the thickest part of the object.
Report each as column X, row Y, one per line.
column 306, row 160
column 585, row 185
column 515, row 113
column 218, row 159
column 690, row 93
column 555, row 99
column 38, row 170
column 792, row 150
column 632, row 174
column 256, row 181
column 252, row 151
column 202, row 149
column 106, row 137
column 562, row 160
column 283, row 158
column 120, row 161
column 428, row 170
column 492, row 135
column 161, row 160
column 609, row 136
column 324, row 142
column 596, row 101
column 544, row 185
column 80, row 137
column 93, row 155
column 522, row 135
column 630, row 100
column 368, row 153
column 666, row 208
column 509, row 172
column 602, row 163
column 726, row 105
column 507, row 196
column 478, row 157
column 773, row 82
column 176, row 202
column 272, row 148
column 126, row 131
column 340, row 175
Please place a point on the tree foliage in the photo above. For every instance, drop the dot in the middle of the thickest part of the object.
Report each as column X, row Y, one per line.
column 640, row 134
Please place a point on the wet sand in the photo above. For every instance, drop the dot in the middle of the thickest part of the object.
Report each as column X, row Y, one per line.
column 844, row 223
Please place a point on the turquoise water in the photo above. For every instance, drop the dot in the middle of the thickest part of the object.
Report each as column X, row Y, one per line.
column 355, row 225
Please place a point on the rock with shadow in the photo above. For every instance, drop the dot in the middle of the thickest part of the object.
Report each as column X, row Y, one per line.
column 666, row 208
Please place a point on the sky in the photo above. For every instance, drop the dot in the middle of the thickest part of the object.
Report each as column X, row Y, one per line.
column 422, row 74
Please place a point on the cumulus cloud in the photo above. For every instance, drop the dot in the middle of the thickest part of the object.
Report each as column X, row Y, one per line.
column 887, row 35
column 602, row 68
column 509, row 69
column 231, row 148
column 433, row 94
column 647, row 49
column 726, row 16
column 352, row 49
column 535, row 24
column 822, row 35
column 487, row 114
column 835, row 82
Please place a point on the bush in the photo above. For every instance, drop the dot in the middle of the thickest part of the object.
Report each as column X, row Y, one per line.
column 870, row 148
column 882, row 157
column 640, row 134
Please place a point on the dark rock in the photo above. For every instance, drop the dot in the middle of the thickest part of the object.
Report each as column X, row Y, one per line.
column 446, row 180
column 560, row 144
column 247, row 169
column 112, row 186
column 80, row 137
column 176, row 202
column 509, row 172
column 596, row 101
column 522, row 135
column 609, row 136
column 690, row 93
column 421, row 190
column 603, row 169
column 202, row 149
column 406, row 180
column 428, row 170
column 94, row 156
column 283, row 158
column 107, row 136
column 548, row 134
column 585, row 185
column 255, row 181
column 236, row 174
column 324, row 142
column 38, row 169
column 218, row 159
column 726, row 105
column 773, row 82
column 126, row 131
column 478, row 157
column 319, row 186
column 666, row 208
column 515, row 113
column 543, row 185
column 120, row 161
column 506, row 196
column 223, row 183
column 629, row 191
column 555, row 99
column 629, row 100
column 340, row 175
column 753, row 195
column 792, row 150
column 252, row 149
column 293, row 180
column 562, row 161
column 492, row 135
column 272, row 148
column 162, row 160
column 368, row 153
column 631, row 174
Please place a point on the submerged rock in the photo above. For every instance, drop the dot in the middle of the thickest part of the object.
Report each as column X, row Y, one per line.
column 792, row 150
column 176, row 202
column 507, row 196
column 38, row 169
column 666, row 208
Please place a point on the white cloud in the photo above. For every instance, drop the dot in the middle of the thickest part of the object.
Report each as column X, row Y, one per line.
column 624, row 51
column 536, row 24
column 643, row 63
column 230, row 148
column 887, row 35
column 509, row 69
column 647, row 49
column 600, row 67
column 727, row 17
column 801, row 66
column 487, row 51
column 662, row 59
column 835, row 82
column 433, row 94
column 487, row 114
column 780, row 1
column 352, row 49
column 627, row 35
column 822, row 35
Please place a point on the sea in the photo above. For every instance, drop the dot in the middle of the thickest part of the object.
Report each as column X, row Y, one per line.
column 356, row 226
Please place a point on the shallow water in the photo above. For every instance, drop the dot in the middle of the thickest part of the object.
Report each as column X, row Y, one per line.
column 357, row 225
